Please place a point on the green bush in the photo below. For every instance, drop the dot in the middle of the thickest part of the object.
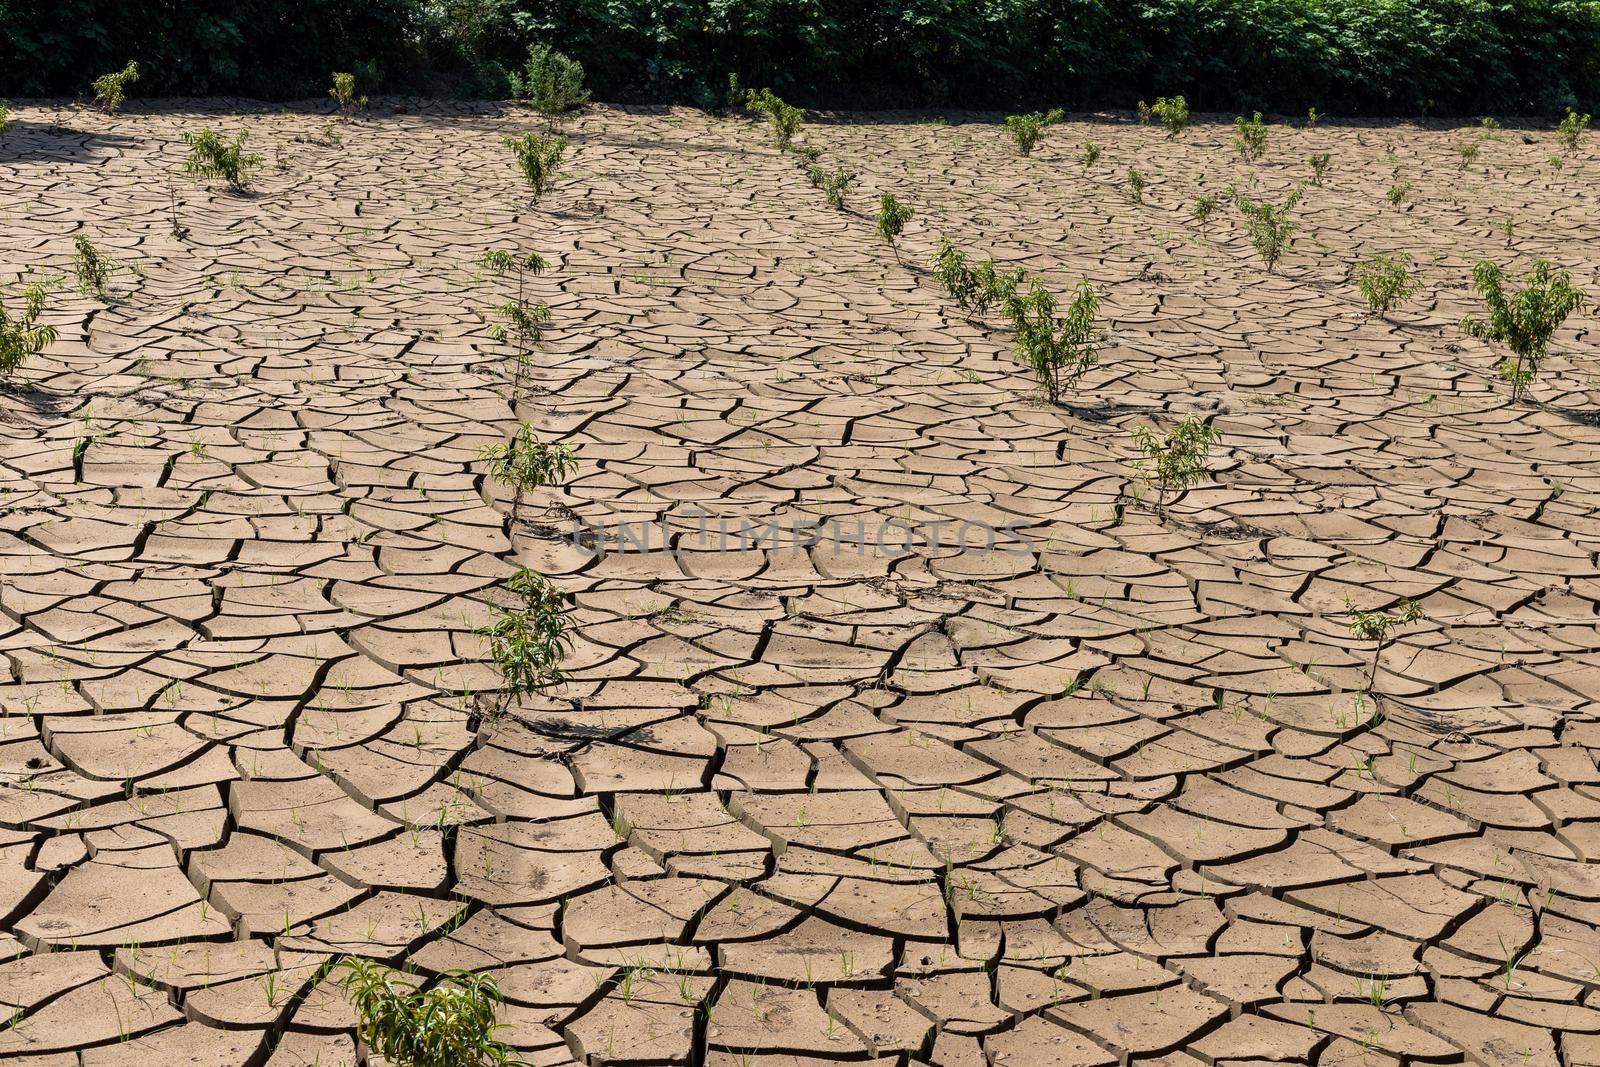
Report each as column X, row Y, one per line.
column 1352, row 57
column 111, row 89
column 450, row 1024
column 1270, row 226
column 892, row 218
column 1250, row 137
column 538, row 158
column 344, row 94
column 212, row 157
column 1172, row 114
column 784, row 119
column 1386, row 280
column 1525, row 320
column 1027, row 129
column 551, row 81
column 1058, row 349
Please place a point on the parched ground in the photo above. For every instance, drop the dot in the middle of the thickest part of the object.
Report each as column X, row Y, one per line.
column 1105, row 791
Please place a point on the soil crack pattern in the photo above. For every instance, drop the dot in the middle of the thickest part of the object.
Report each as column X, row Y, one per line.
column 902, row 722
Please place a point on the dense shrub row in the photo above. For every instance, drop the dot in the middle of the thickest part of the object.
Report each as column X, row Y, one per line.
column 1342, row 56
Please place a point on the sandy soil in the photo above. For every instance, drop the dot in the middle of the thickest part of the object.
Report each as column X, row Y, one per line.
column 1108, row 791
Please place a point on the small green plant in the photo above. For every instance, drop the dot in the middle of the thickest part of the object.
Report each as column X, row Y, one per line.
column 995, row 287
column 892, row 218
column 953, row 273
column 1571, row 129
column 1312, row 118
column 1319, row 167
column 1176, row 460
column 528, row 641
column 1386, row 280
column 1489, row 122
column 1398, row 193
column 525, row 463
column 344, row 94
column 1270, row 226
column 1508, row 227
column 1523, row 321
column 1059, row 350
column 212, row 157
column 92, row 269
column 551, row 81
column 451, row 1024
column 521, row 323
column 1250, row 137
column 22, row 336
column 1026, row 130
column 1091, row 154
column 784, row 119
column 538, row 158
column 1468, row 152
column 110, row 90
column 5, row 119
column 975, row 289
column 1135, row 185
column 836, row 186
column 1376, row 626
column 1172, row 114
column 1204, row 207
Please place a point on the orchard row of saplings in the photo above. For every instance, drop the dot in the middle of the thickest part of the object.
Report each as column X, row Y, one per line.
column 452, row 1020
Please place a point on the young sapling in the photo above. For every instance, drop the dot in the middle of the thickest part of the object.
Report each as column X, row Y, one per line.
column 1176, row 460
column 1250, row 137
column 1386, row 281
column 111, row 89
column 1026, row 130
column 1523, row 321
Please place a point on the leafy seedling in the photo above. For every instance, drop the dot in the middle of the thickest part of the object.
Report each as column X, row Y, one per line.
column 212, row 157
column 110, row 90
column 1571, row 129
column 22, row 336
column 973, row 288
column 451, row 1024
column 1376, row 626
column 892, row 219
column 1204, row 207
column 1386, row 281
column 538, row 158
column 525, row 464
column 551, row 81
column 1135, row 185
column 1172, row 114
column 1319, row 167
column 521, row 322
column 527, row 642
column 1091, row 154
column 784, row 119
column 1250, row 137
column 1270, row 226
column 1026, row 130
column 1176, row 460
column 953, row 273
column 1398, row 193
column 344, row 94
column 1059, row 350
column 92, row 269
column 1523, row 321
column 836, row 186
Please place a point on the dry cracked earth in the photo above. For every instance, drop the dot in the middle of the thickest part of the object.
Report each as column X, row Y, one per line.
column 964, row 757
